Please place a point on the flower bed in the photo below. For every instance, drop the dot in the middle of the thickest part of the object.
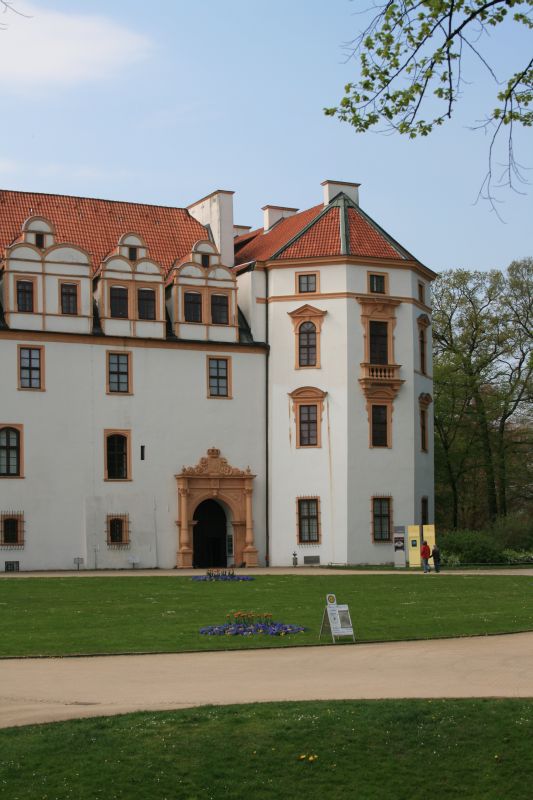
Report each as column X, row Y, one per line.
column 222, row 575
column 247, row 623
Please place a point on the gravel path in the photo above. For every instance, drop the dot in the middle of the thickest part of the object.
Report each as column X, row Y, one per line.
column 50, row 689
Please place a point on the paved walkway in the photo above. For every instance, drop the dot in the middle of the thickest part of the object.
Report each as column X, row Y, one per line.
column 45, row 690
column 317, row 571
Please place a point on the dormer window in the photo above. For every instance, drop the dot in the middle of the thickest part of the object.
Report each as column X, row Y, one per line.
column 205, row 260
column 133, row 253
column 39, row 240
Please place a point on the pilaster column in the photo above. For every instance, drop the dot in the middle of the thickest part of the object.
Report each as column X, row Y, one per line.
column 250, row 551
column 185, row 552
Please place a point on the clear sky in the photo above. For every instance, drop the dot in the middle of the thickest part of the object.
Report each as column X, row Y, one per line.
column 163, row 101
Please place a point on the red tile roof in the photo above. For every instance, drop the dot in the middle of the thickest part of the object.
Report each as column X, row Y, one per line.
column 322, row 239
column 263, row 245
column 366, row 240
column 318, row 234
column 97, row 225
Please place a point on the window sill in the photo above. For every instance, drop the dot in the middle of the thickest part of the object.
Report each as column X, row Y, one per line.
column 11, row 477
column 118, row 480
column 6, row 546
column 117, row 546
column 220, row 397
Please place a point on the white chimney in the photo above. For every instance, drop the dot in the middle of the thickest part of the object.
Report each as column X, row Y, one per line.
column 332, row 188
column 272, row 214
column 239, row 230
column 216, row 210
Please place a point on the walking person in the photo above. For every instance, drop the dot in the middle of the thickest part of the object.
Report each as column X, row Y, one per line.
column 425, row 554
column 435, row 555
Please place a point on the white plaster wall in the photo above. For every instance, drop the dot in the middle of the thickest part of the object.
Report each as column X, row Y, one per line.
column 299, row 472
column 64, row 496
column 217, row 211
column 251, row 286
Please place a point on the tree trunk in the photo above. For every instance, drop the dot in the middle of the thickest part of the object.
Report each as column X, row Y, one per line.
column 484, row 437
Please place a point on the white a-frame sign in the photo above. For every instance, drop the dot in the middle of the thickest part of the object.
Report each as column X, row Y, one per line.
column 336, row 620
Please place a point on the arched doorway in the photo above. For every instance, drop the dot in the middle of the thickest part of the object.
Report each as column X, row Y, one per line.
column 209, row 535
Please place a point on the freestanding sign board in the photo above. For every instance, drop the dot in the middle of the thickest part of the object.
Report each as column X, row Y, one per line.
column 399, row 546
column 336, row 619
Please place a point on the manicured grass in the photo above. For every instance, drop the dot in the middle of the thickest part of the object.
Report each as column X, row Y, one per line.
column 373, row 750
column 60, row 616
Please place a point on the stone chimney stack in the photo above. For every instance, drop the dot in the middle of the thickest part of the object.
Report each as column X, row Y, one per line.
column 332, row 188
column 272, row 214
column 216, row 210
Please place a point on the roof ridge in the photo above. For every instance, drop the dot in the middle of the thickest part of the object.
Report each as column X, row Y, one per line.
column 97, row 199
column 303, row 231
column 390, row 240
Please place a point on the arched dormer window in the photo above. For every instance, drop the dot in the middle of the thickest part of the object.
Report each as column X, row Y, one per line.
column 132, row 247
column 10, row 452
column 307, row 345
column 205, row 253
column 39, row 232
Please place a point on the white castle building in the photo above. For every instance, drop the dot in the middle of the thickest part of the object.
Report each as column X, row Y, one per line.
column 177, row 390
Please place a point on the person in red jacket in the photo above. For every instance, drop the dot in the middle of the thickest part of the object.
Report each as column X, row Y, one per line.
column 425, row 554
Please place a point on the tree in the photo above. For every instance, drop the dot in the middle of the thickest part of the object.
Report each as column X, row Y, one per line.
column 412, row 57
column 483, row 377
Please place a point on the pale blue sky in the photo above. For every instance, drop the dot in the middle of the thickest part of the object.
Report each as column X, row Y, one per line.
column 162, row 101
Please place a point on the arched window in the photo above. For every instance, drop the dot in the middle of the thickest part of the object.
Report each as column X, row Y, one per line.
column 307, row 345
column 117, row 457
column 9, row 452
column 422, row 349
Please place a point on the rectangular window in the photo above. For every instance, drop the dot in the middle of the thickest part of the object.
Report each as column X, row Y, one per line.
column 39, row 240
column 380, row 426
column 377, row 284
column 306, row 283
column 25, row 296
column 132, row 253
column 424, row 511
column 381, row 519
column 205, row 260
column 219, row 377
column 118, row 529
column 146, row 303
column 307, row 426
column 12, row 528
column 424, row 429
column 118, row 297
column 422, row 293
column 117, row 455
column 219, row 309
column 308, row 521
column 379, row 343
column 193, row 307
column 118, row 373
column 69, row 298
column 30, row 367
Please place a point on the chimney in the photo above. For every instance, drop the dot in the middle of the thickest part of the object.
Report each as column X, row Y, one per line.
column 332, row 188
column 239, row 230
column 272, row 214
column 216, row 210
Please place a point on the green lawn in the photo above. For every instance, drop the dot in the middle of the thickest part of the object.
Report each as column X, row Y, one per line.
column 60, row 616
column 373, row 750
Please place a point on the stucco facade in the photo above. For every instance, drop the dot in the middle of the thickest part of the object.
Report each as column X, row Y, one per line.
column 180, row 391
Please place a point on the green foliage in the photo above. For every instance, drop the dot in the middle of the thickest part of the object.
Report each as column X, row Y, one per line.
column 508, row 541
column 394, row 749
column 66, row 616
column 412, row 59
column 472, row 547
column 483, row 389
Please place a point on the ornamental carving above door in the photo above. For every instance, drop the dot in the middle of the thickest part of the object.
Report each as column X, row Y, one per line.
column 212, row 477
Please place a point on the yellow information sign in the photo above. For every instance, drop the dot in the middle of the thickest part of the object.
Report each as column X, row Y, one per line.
column 416, row 534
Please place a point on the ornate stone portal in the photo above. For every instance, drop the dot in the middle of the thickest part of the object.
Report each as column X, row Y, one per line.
column 213, row 478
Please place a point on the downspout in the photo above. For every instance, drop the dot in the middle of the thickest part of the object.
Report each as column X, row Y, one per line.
column 267, row 429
